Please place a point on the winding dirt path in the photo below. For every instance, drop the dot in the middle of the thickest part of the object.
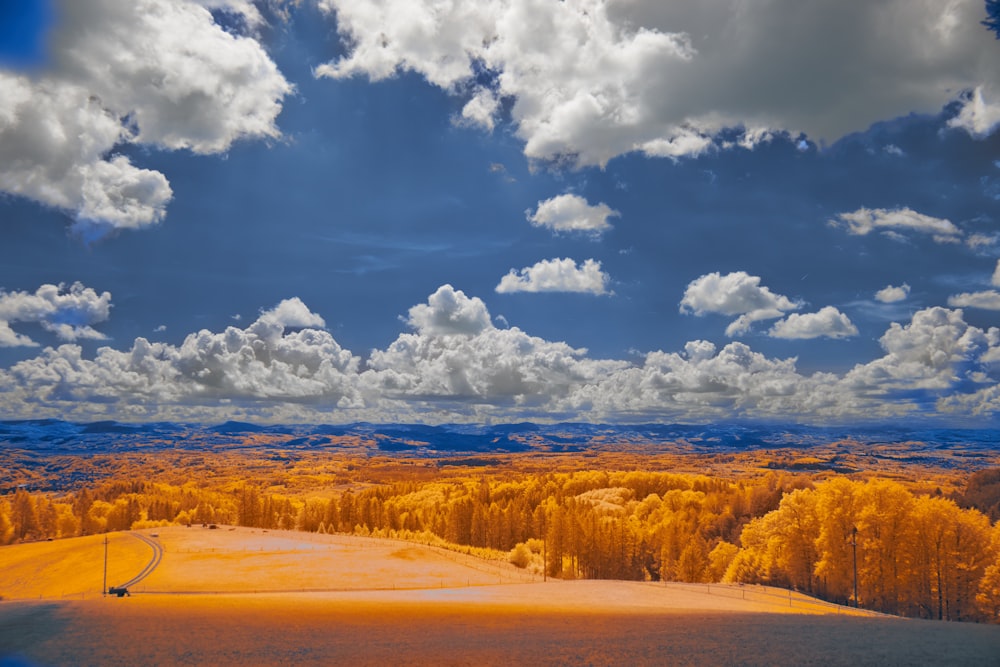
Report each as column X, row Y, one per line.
column 151, row 565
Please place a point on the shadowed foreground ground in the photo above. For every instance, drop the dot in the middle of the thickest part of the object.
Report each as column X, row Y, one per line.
column 444, row 629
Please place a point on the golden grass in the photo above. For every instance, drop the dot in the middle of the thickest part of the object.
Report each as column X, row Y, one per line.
column 69, row 568
column 198, row 560
column 252, row 559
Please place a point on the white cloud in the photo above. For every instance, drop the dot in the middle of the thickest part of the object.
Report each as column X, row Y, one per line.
column 290, row 314
column 448, row 312
column 557, row 275
column 572, row 213
column 455, row 366
column 927, row 353
column 982, row 403
column 481, row 110
column 10, row 338
column 244, row 9
column 704, row 384
column 257, row 363
column 892, row 294
column 684, row 142
column 496, row 366
column 736, row 293
column 863, row 221
column 156, row 73
column 978, row 241
column 995, row 279
column 68, row 312
column 503, row 369
column 987, row 300
column 594, row 79
column 578, row 80
column 53, row 140
column 980, row 113
column 482, row 373
column 828, row 322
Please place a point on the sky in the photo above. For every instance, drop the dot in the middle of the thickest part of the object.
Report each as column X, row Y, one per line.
column 503, row 210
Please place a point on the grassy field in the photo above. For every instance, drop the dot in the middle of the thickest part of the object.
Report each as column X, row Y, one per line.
column 253, row 597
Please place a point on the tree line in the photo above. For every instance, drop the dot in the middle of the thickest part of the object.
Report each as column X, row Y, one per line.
column 915, row 554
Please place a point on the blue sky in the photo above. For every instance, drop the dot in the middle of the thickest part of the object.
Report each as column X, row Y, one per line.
column 600, row 211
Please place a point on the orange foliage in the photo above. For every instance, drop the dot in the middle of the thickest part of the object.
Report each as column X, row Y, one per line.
column 915, row 555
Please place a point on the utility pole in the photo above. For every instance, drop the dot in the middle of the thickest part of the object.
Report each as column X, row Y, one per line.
column 104, row 589
column 545, row 559
column 854, row 547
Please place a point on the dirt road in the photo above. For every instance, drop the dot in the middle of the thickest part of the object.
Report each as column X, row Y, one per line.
column 157, row 548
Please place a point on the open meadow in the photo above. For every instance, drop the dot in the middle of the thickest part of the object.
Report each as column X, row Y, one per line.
column 255, row 597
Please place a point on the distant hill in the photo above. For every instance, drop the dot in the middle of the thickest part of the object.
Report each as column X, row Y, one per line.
column 236, row 427
column 109, row 436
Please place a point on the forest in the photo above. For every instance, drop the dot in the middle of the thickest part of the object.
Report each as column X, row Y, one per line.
column 916, row 551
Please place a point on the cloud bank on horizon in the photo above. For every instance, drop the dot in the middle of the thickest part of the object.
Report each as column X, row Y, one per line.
column 621, row 178
column 456, row 364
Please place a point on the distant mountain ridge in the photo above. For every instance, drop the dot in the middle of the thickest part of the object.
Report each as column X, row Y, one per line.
column 69, row 437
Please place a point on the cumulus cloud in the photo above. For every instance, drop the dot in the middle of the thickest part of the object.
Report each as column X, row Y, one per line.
column 481, row 110
column 449, row 312
column 456, row 354
column 68, row 312
column 262, row 361
column 736, row 293
column 10, row 338
column 572, row 213
column 987, row 300
column 980, row 113
column 291, row 314
column 863, row 221
column 827, row 323
column 702, row 384
column 162, row 74
column 927, row 353
column 892, row 294
column 455, row 366
column 557, row 275
column 592, row 80
column 505, row 367
column 935, row 353
column 572, row 73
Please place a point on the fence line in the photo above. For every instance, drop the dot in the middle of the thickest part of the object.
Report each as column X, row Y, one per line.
column 771, row 594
